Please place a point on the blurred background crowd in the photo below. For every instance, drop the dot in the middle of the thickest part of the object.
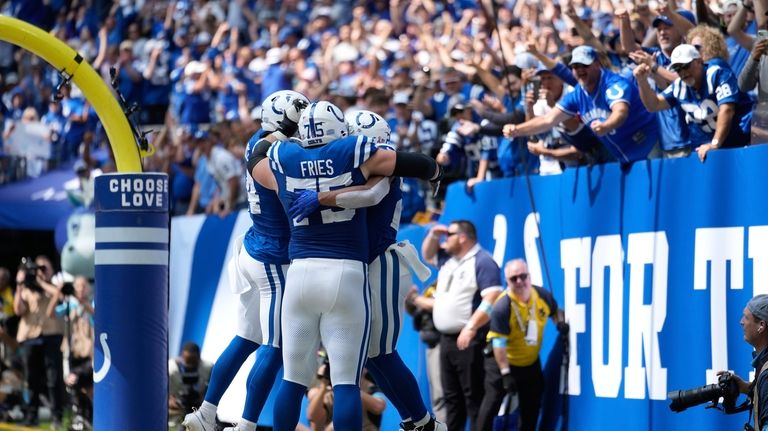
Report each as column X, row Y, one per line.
column 446, row 75
column 451, row 77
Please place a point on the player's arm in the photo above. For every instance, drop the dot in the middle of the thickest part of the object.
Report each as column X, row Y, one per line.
column 401, row 164
column 264, row 176
column 367, row 195
column 260, row 150
column 307, row 202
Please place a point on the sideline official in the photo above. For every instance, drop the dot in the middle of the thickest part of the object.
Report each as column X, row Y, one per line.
column 467, row 285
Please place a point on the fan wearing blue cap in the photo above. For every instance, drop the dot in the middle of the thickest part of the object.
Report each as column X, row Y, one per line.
column 754, row 325
column 604, row 101
column 709, row 95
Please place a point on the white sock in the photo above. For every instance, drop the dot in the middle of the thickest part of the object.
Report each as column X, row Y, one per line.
column 423, row 421
column 246, row 425
column 208, row 411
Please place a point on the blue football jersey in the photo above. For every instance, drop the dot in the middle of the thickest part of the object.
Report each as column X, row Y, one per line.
column 635, row 138
column 267, row 238
column 701, row 107
column 384, row 217
column 384, row 220
column 334, row 233
column 441, row 102
column 673, row 133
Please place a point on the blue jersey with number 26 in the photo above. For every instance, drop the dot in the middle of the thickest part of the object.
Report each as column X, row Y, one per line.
column 334, row 233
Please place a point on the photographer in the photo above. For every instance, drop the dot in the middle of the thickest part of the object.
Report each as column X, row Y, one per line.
column 320, row 409
column 754, row 323
column 77, row 311
column 40, row 336
column 188, row 377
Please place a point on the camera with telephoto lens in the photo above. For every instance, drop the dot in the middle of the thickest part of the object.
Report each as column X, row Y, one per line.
column 68, row 289
column 422, row 322
column 726, row 388
column 30, row 269
column 188, row 395
column 188, row 398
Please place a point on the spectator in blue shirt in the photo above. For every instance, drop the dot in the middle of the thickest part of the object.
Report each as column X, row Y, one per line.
column 607, row 103
column 670, row 29
column 195, row 107
column 55, row 121
column 708, row 93
column 157, row 84
column 454, row 89
column 276, row 77
column 75, row 110
column 204, row 190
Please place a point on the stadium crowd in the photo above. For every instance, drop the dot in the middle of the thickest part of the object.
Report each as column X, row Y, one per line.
column 526, row 87
column 488, row 93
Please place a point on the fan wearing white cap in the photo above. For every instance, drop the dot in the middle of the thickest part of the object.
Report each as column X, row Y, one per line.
column 754, row 325
column 709, row 95
column 670, row 28
column 607, row 103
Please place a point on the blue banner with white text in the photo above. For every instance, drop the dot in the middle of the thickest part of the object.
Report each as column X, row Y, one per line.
column 653, row 267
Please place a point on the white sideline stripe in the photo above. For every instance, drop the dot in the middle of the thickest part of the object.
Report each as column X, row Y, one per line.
column 132, row 234
column 132, row 257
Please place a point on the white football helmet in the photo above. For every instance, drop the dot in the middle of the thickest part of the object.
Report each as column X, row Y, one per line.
column 369, row 124
column 320, row 123
column 273, row 107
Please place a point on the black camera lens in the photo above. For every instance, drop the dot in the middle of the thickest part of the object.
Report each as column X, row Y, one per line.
column 683, row 399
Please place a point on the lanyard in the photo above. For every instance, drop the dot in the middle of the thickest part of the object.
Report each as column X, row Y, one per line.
column 531, row 311
column 461, row 262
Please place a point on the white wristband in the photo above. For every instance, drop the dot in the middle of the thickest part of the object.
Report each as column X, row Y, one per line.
column 504, row 371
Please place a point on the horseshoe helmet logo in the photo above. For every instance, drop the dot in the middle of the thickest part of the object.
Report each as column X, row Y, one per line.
column 101, row 373
column 359, row 120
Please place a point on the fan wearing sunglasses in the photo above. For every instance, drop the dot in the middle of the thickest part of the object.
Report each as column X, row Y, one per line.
column 709, row 95
column 518, row 320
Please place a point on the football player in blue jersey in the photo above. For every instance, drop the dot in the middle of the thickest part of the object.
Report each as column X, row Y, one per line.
column 389, row 274
column 389, row 278
column 257, row 269
column 709, row 95
column 327, row 297
column 607, row 103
